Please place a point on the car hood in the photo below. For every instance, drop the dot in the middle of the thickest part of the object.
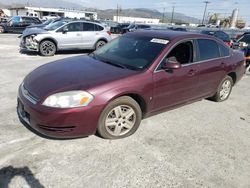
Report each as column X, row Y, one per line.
column 77, row 73
column 33, row 31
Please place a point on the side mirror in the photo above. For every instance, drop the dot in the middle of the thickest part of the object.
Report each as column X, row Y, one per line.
column 65, row 30
column 171, row 64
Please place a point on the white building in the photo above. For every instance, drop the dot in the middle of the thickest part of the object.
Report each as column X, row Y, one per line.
column 124, row 19
column 43, row 12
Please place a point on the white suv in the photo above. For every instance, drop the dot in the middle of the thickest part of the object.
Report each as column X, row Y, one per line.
column 63, row 35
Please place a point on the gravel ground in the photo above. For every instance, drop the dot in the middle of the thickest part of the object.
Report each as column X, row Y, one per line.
column 204, row 144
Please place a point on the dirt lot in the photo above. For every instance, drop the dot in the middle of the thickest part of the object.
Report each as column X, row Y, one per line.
column 204, row 144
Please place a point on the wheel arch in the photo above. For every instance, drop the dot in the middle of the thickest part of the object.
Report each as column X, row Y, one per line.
column 137, row 97
column 233, row 76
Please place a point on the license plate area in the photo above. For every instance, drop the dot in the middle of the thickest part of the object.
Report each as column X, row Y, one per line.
column 25, row 116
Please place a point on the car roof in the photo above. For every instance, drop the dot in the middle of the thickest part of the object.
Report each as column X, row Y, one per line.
column 169, row 35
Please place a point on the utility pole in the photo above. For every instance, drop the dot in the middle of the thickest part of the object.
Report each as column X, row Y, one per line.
column 206, row 3
column 172, row 17
column 117, row 13
column 163, row 15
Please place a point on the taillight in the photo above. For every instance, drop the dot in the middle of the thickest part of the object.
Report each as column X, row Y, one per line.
column 109, row 32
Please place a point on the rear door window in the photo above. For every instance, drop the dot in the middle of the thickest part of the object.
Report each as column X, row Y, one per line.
column 208, row 49
column 224, row 51
column 88, row 27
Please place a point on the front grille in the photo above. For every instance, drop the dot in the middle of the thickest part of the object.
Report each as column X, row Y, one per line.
column 27, row 95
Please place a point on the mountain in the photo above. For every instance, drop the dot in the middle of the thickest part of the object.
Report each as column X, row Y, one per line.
column 147, row 13
column 105, row 14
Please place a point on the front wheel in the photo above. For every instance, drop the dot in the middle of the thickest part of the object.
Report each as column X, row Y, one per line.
column 120, row 118
column 47, row 48
column 224, row 90
column 248, row 70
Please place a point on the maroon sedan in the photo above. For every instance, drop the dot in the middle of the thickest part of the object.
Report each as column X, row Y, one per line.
column 133, row 77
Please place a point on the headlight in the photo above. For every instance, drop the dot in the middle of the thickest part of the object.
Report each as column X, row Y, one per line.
column 69, row 99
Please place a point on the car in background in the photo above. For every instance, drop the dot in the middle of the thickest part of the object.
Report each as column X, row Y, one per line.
column 118, row 28
column 178, row 29
column 17, row 24
column 135, row 76
column 219, row 34
column 64, row 35
column 46, row 23
column 134, row 27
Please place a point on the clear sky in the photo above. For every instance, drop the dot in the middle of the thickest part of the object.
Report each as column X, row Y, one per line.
column 193, row 8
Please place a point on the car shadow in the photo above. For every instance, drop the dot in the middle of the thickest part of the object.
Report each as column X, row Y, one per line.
column 9, row 172
column 65, row 52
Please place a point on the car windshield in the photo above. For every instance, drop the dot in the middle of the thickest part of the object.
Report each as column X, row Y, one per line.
column 131, row 52
column 47, row 22
column 131, row 26
column 54, row 25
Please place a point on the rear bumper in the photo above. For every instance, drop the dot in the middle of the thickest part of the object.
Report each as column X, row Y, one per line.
column 58, row 123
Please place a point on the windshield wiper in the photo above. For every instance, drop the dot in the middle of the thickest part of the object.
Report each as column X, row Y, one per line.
column 115, row 64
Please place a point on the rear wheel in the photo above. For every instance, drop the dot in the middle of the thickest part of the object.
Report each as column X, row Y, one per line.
column 100, row 44
column 248, row 70
column 120, row 118
column 47, row 48
column 2, row 30
column 224, row 90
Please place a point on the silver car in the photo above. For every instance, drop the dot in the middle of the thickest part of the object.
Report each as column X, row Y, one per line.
column 63, row 35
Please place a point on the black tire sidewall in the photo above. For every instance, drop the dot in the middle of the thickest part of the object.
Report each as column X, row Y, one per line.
column 119, row 101
column 40, row 45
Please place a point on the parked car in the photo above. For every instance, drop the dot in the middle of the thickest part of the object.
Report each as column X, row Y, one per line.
column 133, row 77
column 46, row 23
column 178, row 29
column 65, row 35
column 118, row 28
column 219, row 34
column 17, row 24
column 134, row 27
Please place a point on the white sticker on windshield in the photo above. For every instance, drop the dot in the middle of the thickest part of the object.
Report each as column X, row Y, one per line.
column 160, row 41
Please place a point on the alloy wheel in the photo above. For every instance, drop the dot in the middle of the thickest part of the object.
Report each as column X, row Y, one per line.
column 225, row 89
column 120, row 120
column 99, row 44
column 47, row 48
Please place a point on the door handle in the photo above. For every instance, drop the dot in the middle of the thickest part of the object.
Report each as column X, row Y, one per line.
column 191, row 72
column 78, row 34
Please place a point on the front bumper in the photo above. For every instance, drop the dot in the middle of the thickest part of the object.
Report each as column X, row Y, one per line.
column 58, row 123
column 28, row 44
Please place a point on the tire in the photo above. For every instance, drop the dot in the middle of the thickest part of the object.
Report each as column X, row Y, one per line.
column 224, row 90
column 47, row 48
column 100, row 44
column 120, row 118
column 248, row 70
column 2, row 29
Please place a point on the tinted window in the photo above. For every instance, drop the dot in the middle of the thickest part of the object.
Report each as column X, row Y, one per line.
column 27, row 20
column 223, row 36
column 133, row 52
column 73, row 27
column 208, row 49
column 224, row 50
column 245, row 38
column 98, row 28
column 183, row 53
column 88, row 27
